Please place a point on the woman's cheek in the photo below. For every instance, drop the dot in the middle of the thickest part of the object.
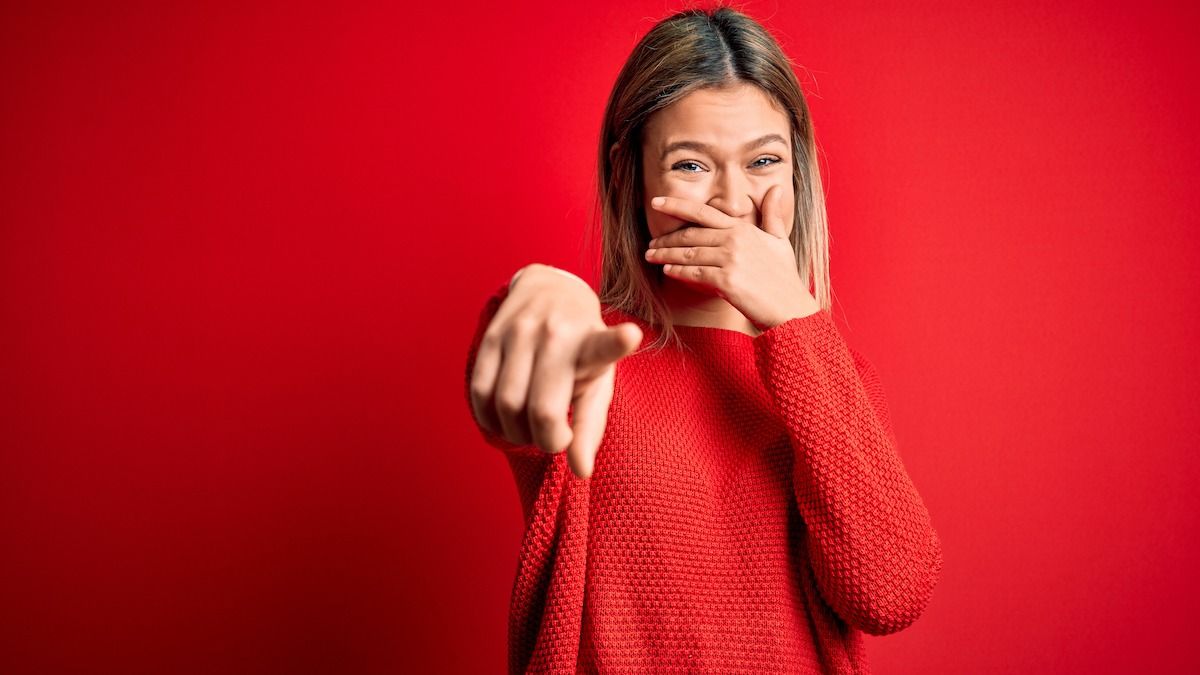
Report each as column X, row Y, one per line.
column 659, row 223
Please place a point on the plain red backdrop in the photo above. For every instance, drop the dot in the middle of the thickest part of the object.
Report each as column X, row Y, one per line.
column 243, row 249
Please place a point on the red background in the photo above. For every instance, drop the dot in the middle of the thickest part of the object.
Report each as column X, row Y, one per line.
column 243, row 250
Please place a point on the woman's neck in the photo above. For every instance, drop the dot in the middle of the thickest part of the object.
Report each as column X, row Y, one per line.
column 692, row 306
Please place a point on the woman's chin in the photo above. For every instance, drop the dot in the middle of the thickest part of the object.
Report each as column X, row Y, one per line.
column 683, row 287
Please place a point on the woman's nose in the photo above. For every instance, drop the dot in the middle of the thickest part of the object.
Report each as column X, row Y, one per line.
column 731, row 194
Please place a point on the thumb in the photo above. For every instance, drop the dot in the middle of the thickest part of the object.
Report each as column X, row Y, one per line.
column 603, row 347
column 772, row 212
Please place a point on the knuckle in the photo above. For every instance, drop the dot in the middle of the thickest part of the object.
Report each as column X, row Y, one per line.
column 508, row 404
column 524, row 325
column 542, row 414
column 479, row 392
column 558, row 330
column 689, row 254
column 490, row 339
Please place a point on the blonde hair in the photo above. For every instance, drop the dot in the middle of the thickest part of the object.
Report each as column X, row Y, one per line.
column 691, row 50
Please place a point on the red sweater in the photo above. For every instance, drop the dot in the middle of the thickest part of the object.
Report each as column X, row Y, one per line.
column 748, row 512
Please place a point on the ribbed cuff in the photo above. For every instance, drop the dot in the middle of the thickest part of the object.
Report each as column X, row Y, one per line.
column 801, row 329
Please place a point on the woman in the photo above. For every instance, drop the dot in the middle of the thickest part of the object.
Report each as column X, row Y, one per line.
column 731, row 498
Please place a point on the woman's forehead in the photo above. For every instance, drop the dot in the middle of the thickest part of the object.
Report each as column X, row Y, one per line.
column 730, row 117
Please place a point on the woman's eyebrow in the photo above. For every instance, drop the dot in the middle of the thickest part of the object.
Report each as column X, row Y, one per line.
column 702, row 147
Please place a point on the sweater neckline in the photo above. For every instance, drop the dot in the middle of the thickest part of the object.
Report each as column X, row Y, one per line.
column 697, row 334
column 713, row 334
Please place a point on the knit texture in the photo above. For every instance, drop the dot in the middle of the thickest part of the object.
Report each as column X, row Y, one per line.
column 748, row 513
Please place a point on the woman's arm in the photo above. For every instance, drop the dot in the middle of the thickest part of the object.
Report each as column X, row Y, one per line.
column 874, row 552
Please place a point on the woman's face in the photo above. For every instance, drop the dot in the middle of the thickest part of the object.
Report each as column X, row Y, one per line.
column 721, row 147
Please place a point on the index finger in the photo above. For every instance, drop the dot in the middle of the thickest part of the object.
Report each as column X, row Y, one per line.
column 694, row 212
column 588, row 422
column 607, row 346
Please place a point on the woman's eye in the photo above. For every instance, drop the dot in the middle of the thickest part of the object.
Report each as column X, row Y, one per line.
column 759, row 163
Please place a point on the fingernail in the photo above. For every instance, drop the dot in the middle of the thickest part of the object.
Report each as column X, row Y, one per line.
column 658, row 201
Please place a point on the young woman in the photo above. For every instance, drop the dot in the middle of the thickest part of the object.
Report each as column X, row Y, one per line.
column 730, row 498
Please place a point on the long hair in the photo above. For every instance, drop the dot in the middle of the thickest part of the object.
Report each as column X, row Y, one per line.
column 691, row 50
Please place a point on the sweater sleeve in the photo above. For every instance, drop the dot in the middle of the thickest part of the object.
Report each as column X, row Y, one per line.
column 874, row 552
column 485, row 318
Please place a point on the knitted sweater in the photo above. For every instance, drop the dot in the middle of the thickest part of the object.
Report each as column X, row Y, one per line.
column 748, row 512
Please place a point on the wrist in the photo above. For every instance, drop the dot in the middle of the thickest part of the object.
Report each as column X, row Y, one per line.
column 549, row 268
column 805, row 308
column 513, row 280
